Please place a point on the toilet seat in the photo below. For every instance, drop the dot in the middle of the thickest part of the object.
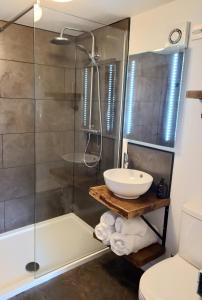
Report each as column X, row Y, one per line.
column 171, row 279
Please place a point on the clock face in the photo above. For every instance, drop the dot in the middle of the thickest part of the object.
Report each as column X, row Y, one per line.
column 175, row 36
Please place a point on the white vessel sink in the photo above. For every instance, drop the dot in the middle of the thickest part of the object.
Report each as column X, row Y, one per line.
column 78, row 158
column 127, row 183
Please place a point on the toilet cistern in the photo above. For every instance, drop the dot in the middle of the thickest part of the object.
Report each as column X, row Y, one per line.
column 178, row 277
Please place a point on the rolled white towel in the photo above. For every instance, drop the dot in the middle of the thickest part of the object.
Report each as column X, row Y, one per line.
column 122, row 244
column 131, row 226
column 117, row 252
column 126, row 244
column 108, row 218
column 149, row 238
column 104, row 232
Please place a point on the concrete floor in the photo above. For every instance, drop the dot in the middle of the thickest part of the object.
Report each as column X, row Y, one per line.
column 106, row 278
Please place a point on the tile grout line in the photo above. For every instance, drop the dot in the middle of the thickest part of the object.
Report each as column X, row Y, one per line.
column 36, row 64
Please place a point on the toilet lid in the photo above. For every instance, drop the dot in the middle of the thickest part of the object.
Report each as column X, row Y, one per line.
column 171, row 279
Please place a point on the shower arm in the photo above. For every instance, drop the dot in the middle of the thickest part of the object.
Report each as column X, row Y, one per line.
column 82, row 31
column 26, row 10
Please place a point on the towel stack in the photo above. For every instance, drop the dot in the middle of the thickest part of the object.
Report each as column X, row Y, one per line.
column 106, row 227
column 125, row 236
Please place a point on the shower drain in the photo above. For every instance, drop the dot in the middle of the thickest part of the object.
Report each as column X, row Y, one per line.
column 32, row 266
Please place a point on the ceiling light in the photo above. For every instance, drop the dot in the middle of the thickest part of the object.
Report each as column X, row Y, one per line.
column 37, row 11
column 62, row 1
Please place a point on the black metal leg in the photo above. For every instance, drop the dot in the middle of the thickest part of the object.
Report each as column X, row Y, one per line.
column 151, row 226
column 165, row 224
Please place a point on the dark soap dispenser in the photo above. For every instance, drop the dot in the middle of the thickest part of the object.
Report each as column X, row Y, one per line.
column 162, row 189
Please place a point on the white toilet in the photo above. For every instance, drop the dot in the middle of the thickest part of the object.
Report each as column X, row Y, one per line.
column 176, row 278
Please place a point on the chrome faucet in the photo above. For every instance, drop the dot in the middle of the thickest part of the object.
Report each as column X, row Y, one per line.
column 125, row 160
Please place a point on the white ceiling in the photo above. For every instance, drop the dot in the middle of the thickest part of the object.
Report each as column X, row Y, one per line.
column 103, row 11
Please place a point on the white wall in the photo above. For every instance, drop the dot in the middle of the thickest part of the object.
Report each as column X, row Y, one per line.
column 148, row 32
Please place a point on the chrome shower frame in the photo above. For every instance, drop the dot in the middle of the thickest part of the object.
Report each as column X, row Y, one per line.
column 92, row 56
column 90, row 130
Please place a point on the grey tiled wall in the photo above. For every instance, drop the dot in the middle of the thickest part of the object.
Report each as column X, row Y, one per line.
column 16, row 127
column 54, row 126
column 36, row 113
column 39, row 113
column 18, row 149
column 153, row 161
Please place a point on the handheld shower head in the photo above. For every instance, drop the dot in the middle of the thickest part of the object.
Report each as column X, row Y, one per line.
column 90, row 57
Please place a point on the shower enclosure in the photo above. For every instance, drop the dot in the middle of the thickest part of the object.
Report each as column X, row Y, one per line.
column 54, row 97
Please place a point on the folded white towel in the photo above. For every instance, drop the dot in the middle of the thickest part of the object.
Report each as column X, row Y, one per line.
column 131, row 226
column 104, row 232
column 126, row 244
column 108, row 218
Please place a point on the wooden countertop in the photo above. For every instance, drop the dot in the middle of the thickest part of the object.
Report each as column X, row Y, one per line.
column 128, row 208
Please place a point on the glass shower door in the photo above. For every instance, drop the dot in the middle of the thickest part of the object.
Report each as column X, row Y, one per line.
column 54, row 138
column 17, row 155
column 111, row 44
column 64, row 213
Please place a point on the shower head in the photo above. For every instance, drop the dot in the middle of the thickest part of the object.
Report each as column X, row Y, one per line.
column 64, row 40
column 60, row 40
